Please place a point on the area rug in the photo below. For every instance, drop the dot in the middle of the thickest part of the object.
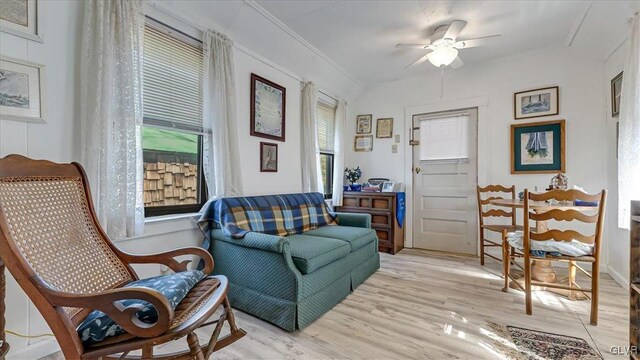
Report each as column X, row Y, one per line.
column 527, row 344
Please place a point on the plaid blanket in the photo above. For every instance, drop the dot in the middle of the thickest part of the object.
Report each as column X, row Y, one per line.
column 280, row 215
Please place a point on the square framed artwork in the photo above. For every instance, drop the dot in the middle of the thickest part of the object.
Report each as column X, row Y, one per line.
column 363, row 143
column 536, row 103
column 363, row 124
column 21, row 90
column 538, row 148
column 616, row 94
column 21, row 18
column 384, row 128
column 268, row 105
column 268, row 157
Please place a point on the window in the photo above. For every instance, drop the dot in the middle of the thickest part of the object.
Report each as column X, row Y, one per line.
column 172, row 131
column 326, row 130
column 444, row 138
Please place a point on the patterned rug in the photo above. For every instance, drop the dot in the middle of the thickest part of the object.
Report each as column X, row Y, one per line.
column 526, row 344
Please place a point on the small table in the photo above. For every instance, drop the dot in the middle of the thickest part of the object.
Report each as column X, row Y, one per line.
column 4, row 349
column 541, row 270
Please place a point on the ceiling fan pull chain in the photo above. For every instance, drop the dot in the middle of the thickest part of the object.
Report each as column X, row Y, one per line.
column 441, row 82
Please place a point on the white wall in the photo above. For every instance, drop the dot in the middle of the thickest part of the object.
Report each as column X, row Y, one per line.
column 581, row 104
column 618, row 238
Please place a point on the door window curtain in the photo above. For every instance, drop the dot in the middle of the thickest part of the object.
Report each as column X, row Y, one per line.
column 221, row 154
column 111, row 112
column 310, row 154
column 629, row 138
column 339, row 146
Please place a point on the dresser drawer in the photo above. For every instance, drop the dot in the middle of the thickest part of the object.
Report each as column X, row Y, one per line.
column 382, row 203
column 381, row 220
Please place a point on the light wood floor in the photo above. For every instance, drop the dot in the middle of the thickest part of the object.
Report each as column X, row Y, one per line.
column 426, row 305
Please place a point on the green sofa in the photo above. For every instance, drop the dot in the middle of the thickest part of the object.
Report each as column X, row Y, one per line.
column 291, row 281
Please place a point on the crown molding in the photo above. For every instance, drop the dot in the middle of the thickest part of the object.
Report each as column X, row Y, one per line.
column 269, row 16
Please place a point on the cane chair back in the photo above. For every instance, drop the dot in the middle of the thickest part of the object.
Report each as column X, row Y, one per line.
column 47, row 221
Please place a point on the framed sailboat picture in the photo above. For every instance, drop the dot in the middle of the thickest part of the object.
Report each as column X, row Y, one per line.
column 538, row 148
column 536, row 103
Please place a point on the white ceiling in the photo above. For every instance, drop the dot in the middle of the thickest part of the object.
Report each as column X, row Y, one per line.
column 360, row 35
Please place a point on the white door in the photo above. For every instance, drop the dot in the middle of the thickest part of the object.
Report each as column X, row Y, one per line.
column 444, row 181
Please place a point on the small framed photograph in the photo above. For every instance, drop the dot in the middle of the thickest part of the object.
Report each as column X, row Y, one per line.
column 363, row 124
column 363, row 143
column 387, row 186
column 21, row 18
column 384, row 128
column 616, row 92
column 268, row 157
column 21, row 90
column 536, row 103
column 268, row 105
column 538, row 148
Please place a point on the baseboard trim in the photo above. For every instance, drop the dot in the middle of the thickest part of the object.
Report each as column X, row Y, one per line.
column 622, row 280
column 35, row 351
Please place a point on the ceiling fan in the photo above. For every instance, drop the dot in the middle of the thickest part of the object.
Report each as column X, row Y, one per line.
column 443, row 51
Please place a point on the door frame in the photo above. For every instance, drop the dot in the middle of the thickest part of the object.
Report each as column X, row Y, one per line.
column 483, row 160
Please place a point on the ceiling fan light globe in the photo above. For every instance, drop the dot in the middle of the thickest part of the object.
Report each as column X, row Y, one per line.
column 442, row 56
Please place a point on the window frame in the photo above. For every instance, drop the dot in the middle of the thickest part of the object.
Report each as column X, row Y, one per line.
column 202, row 190
column 330, row 171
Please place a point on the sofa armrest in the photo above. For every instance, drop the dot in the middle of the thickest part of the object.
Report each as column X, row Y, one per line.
column 354, row 219
column 253, row 240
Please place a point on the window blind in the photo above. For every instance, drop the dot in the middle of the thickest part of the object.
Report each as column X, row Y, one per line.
column 172, row 79
column 326, row 127
column 444, row 138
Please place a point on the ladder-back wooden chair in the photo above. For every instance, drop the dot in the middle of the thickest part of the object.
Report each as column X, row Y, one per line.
column 589, row 215
column 486, row 210
column 55, row 248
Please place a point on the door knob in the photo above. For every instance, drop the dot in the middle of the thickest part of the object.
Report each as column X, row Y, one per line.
column 418, row 170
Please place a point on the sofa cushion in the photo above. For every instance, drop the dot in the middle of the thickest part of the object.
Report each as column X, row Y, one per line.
column 313, row 252
column 98, row 325
column 357, row 237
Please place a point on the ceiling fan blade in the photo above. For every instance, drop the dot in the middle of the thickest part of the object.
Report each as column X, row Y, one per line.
column 456, row 63
column 419, row 61
column 469, row 43
column 412, row 46
column 454, row 29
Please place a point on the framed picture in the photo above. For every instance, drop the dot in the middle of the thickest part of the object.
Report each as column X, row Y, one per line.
column 616, row 91
column 363, row 143
column 384, row 128
column 268, row 157
column 268, row 104
column 21, row 18
column 21, row 90
column 387, row 186
column 538, row 148
column 536, row 103
column 363, row 124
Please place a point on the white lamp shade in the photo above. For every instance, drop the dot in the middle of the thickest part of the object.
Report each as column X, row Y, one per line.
column 442, row 56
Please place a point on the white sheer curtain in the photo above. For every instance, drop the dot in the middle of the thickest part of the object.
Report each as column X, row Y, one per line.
column 311, row 181
column 339, row 147
column 629, row 141
column 111, row 112
column 221, row 150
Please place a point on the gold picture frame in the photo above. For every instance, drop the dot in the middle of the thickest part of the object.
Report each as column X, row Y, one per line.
column 363, row 124
column 362, row 143
column 384, row 128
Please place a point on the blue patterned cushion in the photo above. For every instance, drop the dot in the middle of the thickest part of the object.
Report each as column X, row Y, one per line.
column 279, row 215
column 98, row 326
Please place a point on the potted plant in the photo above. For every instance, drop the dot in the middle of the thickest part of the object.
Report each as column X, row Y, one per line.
column 353, row 175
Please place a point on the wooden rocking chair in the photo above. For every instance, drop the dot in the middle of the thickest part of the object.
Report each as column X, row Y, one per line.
column 54, row 247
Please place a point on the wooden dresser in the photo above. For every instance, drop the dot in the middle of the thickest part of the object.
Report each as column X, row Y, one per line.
column 634, row 278
column 382, row 208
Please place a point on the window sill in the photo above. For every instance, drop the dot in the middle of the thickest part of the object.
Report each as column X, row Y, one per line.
column 172, row 217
